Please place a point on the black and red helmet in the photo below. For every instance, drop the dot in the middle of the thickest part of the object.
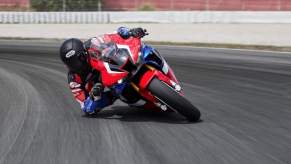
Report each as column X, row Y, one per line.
column 73, row 54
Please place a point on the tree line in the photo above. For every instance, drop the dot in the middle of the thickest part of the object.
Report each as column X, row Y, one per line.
column 66, row 5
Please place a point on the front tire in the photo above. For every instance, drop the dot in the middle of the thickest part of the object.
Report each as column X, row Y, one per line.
column 174, row 100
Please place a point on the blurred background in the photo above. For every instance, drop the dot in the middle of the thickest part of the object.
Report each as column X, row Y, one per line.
column 244, row 95
column 248, row 22
column 144, row 5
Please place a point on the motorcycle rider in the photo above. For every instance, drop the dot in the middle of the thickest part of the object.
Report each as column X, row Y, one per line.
column 84, row 81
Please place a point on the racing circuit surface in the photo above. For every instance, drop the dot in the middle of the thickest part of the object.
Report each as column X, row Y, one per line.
column 244, row 97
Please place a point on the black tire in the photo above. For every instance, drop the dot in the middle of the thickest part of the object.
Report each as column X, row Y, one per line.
column 174, row 100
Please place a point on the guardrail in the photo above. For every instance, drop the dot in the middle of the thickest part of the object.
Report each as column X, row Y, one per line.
column 145, row 17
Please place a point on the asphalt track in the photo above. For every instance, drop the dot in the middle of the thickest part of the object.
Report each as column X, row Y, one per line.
column 244, row 97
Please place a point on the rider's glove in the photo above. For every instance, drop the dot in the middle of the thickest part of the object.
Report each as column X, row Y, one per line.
column 123, row 32
column 138, row 32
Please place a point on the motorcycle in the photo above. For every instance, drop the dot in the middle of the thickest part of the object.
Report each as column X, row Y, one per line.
column 138, row 74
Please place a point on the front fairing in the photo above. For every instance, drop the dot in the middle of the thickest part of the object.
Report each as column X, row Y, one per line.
column 115, row 62
column 151, row 56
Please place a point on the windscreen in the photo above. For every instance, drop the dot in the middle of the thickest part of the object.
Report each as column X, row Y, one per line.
column 115, row 56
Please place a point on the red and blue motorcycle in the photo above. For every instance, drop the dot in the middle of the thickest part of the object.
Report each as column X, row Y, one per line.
column 141, row 76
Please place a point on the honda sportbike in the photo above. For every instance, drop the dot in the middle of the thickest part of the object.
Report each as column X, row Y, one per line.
column 138, row 74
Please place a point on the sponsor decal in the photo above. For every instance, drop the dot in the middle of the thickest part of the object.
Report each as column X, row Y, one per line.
column 70, row 53
column 74, row 85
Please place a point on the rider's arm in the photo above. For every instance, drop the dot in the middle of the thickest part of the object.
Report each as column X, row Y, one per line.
column 95, row 43
column 75, row 85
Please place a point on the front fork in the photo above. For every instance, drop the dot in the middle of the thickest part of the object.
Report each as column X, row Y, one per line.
column 145, row 80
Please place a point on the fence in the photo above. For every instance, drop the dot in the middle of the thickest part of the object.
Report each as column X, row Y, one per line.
column 133, row 5
column 146, row 17
column 214, row 5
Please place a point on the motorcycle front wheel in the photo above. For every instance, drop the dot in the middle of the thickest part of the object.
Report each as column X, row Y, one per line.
column 174, row 100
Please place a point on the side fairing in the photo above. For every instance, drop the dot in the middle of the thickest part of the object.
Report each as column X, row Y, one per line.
column 109, row 76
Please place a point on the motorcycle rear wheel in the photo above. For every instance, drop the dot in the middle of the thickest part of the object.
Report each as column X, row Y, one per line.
column 174, row 100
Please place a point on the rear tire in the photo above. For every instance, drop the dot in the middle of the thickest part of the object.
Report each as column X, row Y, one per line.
column 174, row 100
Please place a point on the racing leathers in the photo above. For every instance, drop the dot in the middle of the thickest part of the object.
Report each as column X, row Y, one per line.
column 86, row 86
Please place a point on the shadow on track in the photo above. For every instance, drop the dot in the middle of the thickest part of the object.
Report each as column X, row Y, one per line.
column 132, row 114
